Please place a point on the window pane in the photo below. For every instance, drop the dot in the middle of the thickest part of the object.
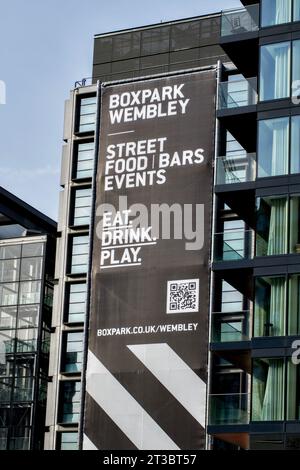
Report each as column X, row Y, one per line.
column 9, row 270
column 296, row 10
column 31, row 268
column 30, row 292
column 270, row 306
column 9, row 294
column 296, row 69
column 87, row 118
column 294, row 224
column 275, row 12
column 82, row 206
column 8, row 317
column 7, row 344
column 28, row 316
column 27, row 340
column 271, row 226
column 295, row 144
column 273, row 147
column 32, row 249
column 294, row 305
column 70, row 400
column 77, row 303
column 293, row 391
column 7, row 252
column 275, row 71
column 73, row 352
column 80, row 254
column 268, row 390
column 85, row 160
column 68, row 441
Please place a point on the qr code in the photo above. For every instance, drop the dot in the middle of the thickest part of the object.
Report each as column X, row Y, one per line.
column 183, row 296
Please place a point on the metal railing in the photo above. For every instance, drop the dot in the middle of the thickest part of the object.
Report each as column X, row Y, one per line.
column 238, row 93
column 231, row 408
column 240, row 168
column 240, row 20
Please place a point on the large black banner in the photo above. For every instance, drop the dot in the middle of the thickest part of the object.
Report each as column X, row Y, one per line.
column 148, row 337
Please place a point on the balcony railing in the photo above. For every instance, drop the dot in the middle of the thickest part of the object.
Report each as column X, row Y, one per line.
column 236, row 169
column 237, row 93
column 228, row 409
column 234, row 245
column 230, row 327
column 240, row 20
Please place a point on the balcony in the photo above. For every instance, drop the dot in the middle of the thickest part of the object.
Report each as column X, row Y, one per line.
column 240, row 21
column 237, row 93
column 228, row 409
column 240, row 168
column 234, row 245
column 230, row 327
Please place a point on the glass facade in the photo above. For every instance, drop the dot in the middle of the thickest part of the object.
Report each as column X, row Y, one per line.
column 21, row 307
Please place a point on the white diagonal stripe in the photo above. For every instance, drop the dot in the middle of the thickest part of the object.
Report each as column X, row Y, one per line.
column 88, row 444
column 123, row 409
column 175, row 375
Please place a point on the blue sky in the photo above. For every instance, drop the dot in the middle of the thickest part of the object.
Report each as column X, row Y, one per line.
column 45, row 46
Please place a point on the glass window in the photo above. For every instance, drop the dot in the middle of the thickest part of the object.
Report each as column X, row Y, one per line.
column 270, row 306
column 9, row 294
column 69, row 441
column 85, row 160
column 295, row 143
column 268, row 390
column 234, row 240
column 28, row 316
column 30, row 292
column 72, row 361
column 82, row 206
column 10, row 251
column 31, row 268
column 296, row 13
column 271, row 226
column 80, row 255
column 32, row 249
column 232, row 300
column 294, row 224
column 77, row 303
column 27, row 340
column 275, row 65
column 294, row 305
column 8, row 316
column 273, row 147
column 9, row 270
column 70, row 400
column 275, row 12
column 87, row 117
column 7, row 344
column 293, row 391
